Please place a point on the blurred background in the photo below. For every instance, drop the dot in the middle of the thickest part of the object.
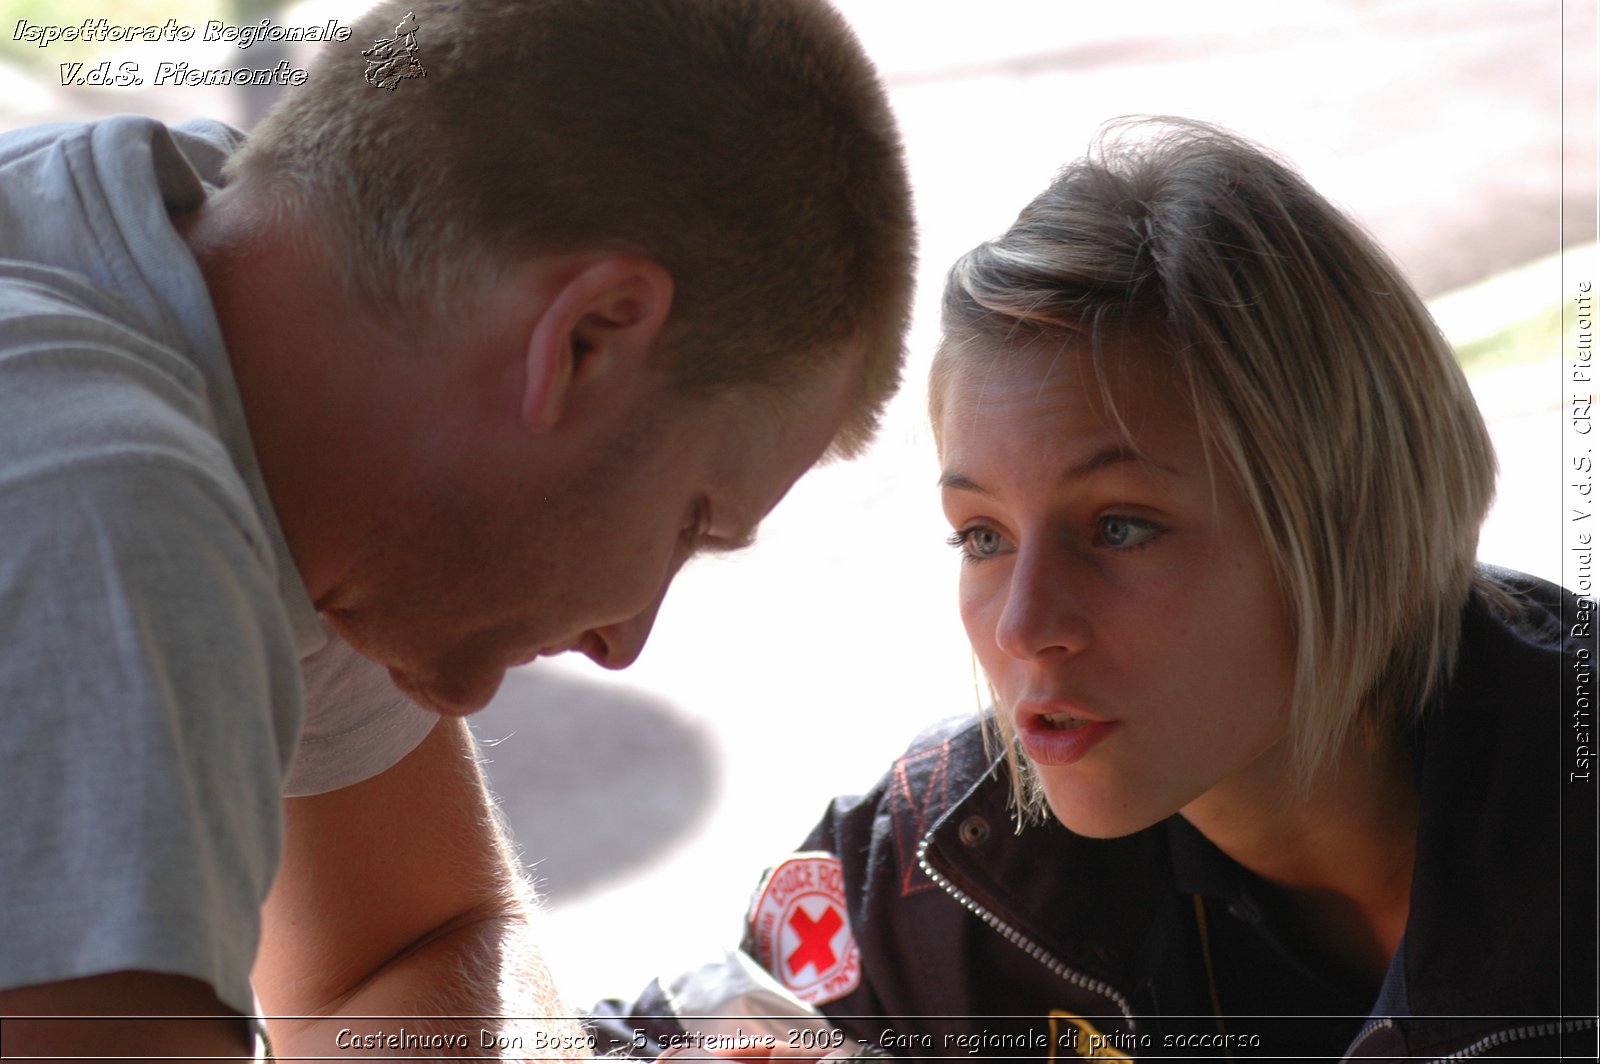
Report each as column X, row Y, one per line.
column 647, row 803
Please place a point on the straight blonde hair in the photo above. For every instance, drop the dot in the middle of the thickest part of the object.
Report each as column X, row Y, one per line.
column 1318, row 381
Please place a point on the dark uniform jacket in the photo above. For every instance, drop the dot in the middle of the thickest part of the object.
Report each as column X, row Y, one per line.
column 976, row 940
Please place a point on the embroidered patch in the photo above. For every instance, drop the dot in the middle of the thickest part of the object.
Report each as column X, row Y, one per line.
column 1073, row 1037
column 800, row 929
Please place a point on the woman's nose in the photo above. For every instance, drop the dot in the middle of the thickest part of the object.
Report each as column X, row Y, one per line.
column 1044, row 609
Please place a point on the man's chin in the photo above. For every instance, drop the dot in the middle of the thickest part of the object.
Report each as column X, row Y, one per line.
column 432, row 684
column 455, row 697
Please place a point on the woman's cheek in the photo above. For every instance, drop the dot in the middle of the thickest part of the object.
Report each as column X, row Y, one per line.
column 982, row 600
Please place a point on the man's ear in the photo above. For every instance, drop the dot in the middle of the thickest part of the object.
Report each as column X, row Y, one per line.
column 603, row 322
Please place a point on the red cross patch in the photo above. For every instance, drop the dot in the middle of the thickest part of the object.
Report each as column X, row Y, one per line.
column 800, row 929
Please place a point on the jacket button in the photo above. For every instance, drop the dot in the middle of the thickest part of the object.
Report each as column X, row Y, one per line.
column 974, row 831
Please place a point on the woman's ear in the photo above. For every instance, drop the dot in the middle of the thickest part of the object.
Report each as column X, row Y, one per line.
column 603, row 323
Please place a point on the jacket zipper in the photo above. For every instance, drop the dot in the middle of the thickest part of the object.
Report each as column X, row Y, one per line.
column 1499, row 1038
column 1017, row 938
column 1485, row 1044
column 1376, row 1025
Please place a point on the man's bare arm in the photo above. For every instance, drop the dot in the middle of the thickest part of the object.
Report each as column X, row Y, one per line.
column 398, row 897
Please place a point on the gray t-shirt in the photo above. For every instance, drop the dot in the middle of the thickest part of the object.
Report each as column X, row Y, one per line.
column 164, row 678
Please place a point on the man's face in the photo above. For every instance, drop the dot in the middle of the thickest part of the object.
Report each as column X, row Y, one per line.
column 486, row 570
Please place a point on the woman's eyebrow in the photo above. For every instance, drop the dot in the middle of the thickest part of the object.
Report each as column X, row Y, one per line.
column 1114, row 454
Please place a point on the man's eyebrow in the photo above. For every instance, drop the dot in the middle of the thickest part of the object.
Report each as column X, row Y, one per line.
column 1115, row 454
column 953, row 481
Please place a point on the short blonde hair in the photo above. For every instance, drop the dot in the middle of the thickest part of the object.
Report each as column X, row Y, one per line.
column 1317, row 378
column 747, row 145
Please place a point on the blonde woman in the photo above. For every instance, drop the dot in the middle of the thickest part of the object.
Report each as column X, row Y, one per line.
column 1280, row 769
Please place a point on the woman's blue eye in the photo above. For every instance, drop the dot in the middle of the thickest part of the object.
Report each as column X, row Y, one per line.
column 984, row 542
column 977, row 544
column 1124, row 533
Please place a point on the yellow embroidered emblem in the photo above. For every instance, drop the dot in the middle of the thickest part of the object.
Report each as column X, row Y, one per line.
column 1074, row 1038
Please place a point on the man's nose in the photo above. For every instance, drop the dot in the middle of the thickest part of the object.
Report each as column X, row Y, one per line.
column 616, row 646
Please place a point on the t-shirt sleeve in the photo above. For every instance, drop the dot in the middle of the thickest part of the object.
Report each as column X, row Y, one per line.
column 151, row 704
column 358, row 723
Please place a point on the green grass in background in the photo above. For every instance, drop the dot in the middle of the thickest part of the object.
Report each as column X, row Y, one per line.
column 1514, row 318
column 1535, row 339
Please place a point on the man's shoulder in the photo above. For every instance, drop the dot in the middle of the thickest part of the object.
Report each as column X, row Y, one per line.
column 94, row 201
column 44, row 304
column 87, row 400
column 69, row 347
column 203, row 143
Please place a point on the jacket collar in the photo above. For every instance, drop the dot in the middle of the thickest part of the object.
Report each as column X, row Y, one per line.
column 1090, row 905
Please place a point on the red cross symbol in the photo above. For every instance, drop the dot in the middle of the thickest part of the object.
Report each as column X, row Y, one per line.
column 816, row 937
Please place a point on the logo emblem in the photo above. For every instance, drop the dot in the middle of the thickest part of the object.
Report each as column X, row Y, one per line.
column 394, row 59
column 800, row 929
column 1080, row 1039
